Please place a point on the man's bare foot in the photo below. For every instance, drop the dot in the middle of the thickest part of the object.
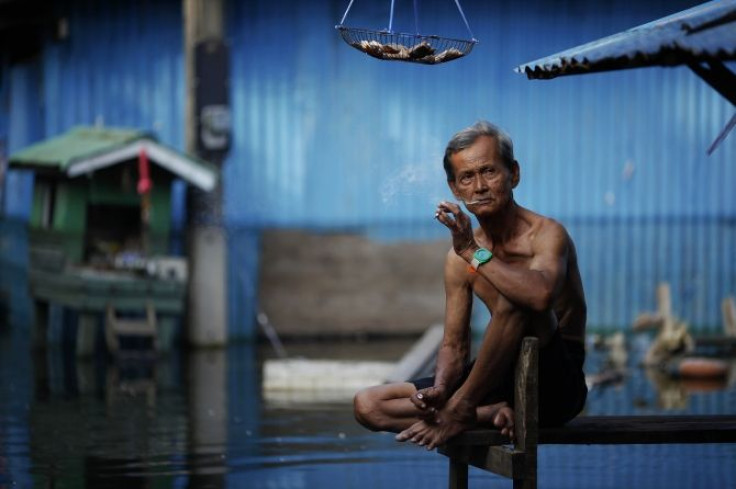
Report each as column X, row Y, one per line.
column 448, row 422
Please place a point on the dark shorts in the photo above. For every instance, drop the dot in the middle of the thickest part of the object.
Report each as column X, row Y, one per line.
column 562, row 389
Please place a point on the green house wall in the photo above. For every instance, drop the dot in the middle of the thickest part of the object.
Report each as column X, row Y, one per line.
column 112, row 186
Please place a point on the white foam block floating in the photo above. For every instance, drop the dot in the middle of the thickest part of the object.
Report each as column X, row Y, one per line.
column 303, row 374
column 304, row 380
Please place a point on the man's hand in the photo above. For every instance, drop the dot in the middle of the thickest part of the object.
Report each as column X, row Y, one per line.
column 459, row 225
column 455, row 417
column 429, row 401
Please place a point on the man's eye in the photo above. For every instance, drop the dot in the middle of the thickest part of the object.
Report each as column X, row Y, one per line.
column 489, row 171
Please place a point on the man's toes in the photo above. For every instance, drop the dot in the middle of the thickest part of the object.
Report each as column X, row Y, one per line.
column 422, row 437
column 404, row 435
column 419, row 439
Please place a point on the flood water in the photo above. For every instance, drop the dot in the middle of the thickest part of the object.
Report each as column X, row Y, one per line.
column 199, row 420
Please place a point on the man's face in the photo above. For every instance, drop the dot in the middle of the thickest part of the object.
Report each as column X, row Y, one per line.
column 482, row 181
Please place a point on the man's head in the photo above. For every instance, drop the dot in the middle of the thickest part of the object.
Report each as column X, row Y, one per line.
column 481, row 169
column 465, row 138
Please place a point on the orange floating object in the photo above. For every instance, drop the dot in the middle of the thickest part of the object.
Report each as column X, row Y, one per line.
column 702, row 368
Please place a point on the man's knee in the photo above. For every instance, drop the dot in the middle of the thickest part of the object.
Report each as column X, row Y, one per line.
column 509, row 311
column 366, row 409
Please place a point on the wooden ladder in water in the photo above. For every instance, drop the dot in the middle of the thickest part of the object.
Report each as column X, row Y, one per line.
column 116, row 327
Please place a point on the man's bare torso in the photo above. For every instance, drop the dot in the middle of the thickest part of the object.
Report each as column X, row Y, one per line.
column 569, row 310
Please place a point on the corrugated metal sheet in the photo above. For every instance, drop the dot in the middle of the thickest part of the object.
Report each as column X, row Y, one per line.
column 328, row 138
column 702, row 33
column 121, row 65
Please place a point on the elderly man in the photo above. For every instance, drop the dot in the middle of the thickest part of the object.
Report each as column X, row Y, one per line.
column 523, row 267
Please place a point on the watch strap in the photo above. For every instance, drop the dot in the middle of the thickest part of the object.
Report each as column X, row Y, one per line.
column 475, row 262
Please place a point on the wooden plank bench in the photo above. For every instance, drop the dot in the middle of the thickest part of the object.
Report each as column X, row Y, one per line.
column 487, row 449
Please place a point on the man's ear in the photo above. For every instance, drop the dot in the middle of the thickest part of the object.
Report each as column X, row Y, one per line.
column 515, row 174
column 453, row 187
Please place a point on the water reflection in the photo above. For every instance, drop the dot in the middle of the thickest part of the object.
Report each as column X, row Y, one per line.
column 199, row 419
column 674, row 393
column 207, row 399
column 103, row 423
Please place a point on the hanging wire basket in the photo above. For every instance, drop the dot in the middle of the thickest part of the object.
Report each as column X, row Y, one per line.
column 416, row 48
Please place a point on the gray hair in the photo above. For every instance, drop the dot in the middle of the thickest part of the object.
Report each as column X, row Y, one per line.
column 467, row 137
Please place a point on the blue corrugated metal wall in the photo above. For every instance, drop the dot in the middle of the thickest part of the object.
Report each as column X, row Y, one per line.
column 326, row 137
column 122, row 65
column 331, row 137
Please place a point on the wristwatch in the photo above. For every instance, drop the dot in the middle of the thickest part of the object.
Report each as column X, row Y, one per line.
column 481, row 256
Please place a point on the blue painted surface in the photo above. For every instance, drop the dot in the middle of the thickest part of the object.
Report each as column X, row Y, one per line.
column 326, row 137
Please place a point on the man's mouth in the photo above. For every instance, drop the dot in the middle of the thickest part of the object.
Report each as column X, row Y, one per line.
column 477, row 201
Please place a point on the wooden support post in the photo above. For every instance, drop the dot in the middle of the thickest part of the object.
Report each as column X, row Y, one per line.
column 86, row 334
column 40, row 336
column 664, row 308
column 488, row 449
column 458, row 474
column 526, row 414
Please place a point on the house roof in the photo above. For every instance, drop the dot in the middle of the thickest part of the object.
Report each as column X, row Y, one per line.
column 706, row 32
column 82, row 150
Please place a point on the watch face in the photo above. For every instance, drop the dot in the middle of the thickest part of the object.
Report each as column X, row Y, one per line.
column 482, row 255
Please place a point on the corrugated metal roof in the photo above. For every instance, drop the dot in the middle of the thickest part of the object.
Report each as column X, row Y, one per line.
column 85, row 149
column 702, row 33
column 58, row 153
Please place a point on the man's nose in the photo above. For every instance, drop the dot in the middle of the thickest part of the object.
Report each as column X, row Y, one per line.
column 480, row 185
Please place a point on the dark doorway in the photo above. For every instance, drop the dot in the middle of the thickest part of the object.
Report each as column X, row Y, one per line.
column 111, row 230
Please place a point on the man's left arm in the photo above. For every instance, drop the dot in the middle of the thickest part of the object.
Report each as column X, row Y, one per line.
column 537, row 286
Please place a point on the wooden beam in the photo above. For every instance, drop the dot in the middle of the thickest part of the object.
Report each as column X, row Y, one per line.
column 718, row 76
column 480, row 436
column 501, row 460
column 607, row 430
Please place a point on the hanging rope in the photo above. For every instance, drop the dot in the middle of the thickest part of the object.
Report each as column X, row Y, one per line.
column 416, row 18
column 462, row 14
column 342, row 21
column 391, row 18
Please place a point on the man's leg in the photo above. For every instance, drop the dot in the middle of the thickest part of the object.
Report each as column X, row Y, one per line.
column 495, row 361
column 388, row 408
